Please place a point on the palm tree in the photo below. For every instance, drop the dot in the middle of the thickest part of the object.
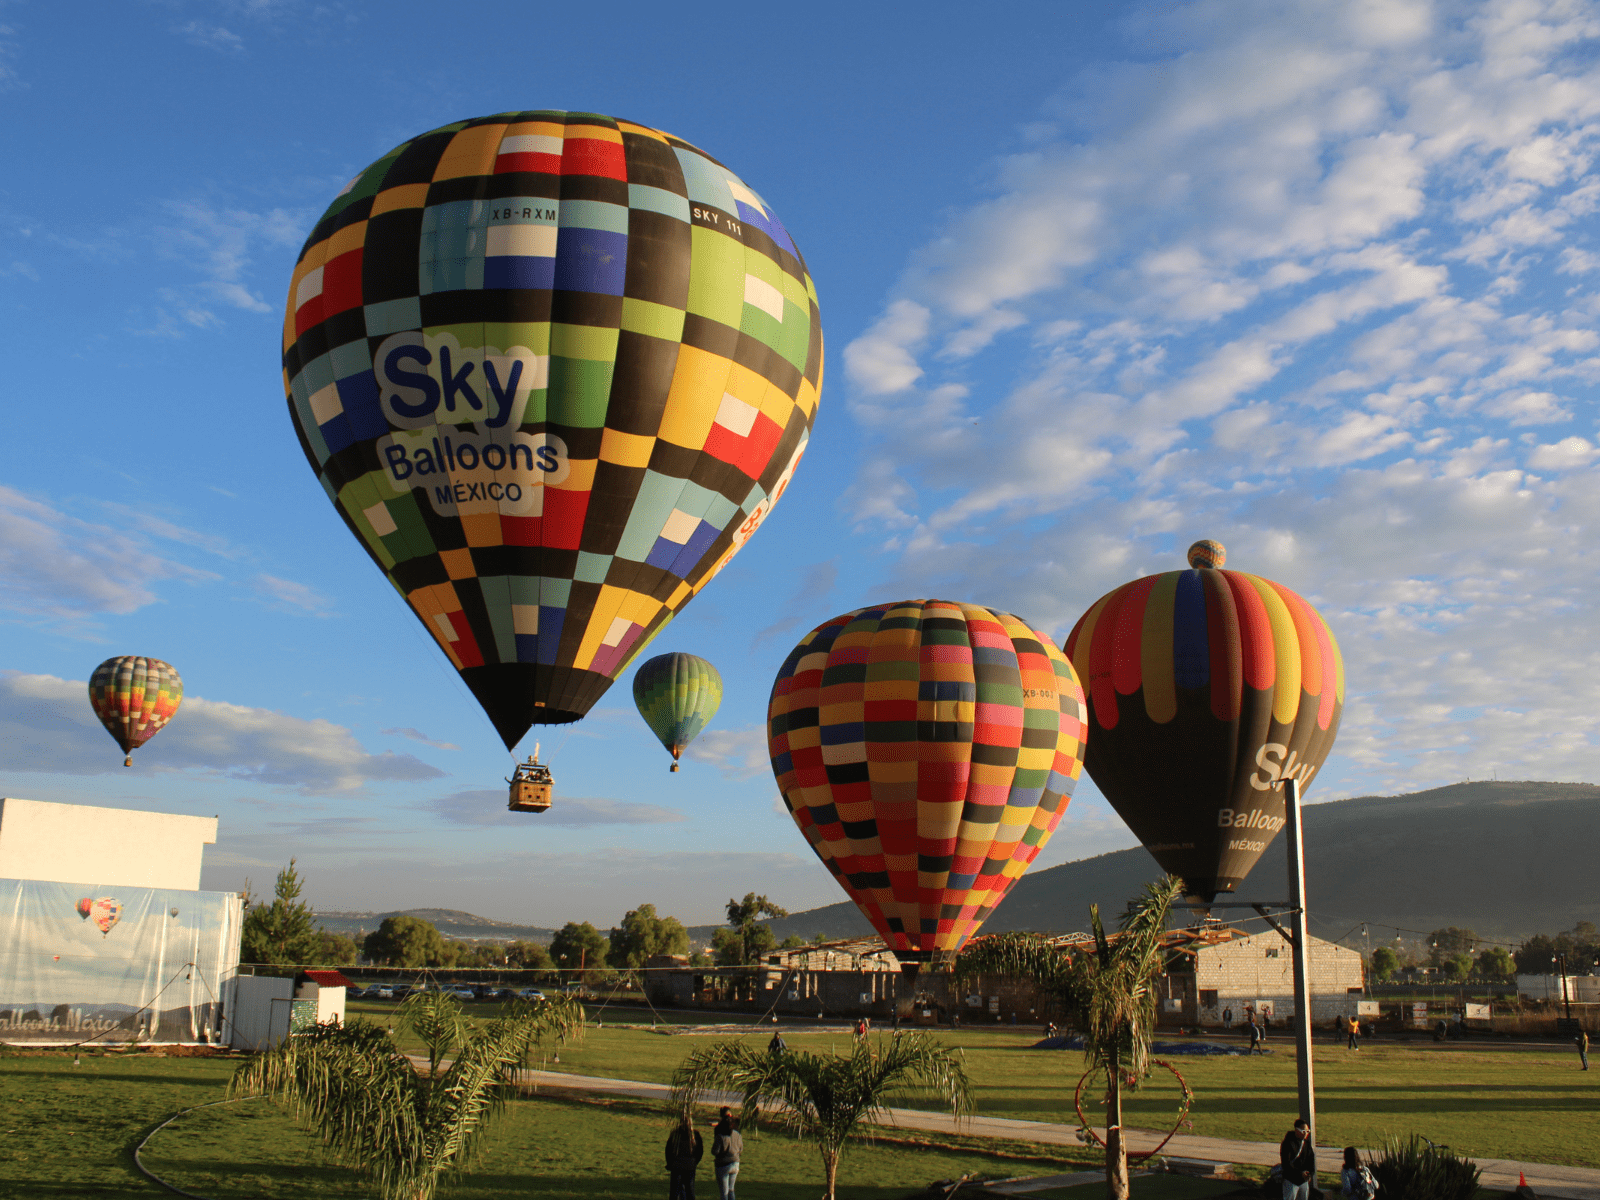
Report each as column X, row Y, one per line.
column 406, row 1128
column 1108, row 990
column 825, row 1096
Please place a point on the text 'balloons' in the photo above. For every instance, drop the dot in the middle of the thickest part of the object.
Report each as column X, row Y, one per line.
column 553, row 369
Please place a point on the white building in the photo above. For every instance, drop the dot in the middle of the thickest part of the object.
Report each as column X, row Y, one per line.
column 108, row 937
column 1228, row 969
column 114, row 847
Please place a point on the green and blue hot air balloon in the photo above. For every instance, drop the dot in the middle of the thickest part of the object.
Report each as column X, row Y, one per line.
column 677, row 695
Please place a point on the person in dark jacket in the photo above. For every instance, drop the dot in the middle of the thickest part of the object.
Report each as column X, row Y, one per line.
column 1299, row 1159
column 727, row 1147
column 685, row 1149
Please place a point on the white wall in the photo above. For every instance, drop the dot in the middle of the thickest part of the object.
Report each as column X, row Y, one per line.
column 1259, row 970
column 259, row 1019
column 79, row 843
column 1581, row 989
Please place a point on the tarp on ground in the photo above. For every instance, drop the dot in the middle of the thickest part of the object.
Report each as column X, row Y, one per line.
column 112, row 963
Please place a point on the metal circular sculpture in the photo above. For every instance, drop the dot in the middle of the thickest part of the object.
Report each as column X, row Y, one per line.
column 927, row 750
column 1086, row 1131
column 1206, row 689
column 553, row 369
column 677, row 695
column 134, row 697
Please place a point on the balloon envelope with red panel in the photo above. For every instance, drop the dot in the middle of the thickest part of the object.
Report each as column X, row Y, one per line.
column 927, row 750
column 1206, row 689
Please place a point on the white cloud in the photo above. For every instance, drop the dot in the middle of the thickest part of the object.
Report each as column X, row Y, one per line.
column 212, row 37
column 47, row 726
column 58, row 570
column 1298, row 276
column 288, row 596
column 416, row 735
column 488, row 807
column 217, row 244
column 737, row 753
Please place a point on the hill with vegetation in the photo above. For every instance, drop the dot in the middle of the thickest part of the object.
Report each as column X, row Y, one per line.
column 452, row 923
column 1507, row 859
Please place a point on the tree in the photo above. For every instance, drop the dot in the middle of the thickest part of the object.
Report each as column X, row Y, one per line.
column 1446, row 942
column 336, row 950
column 1536, row 956
column 1385, row 962
column 1458, row 966
column 405, row 1128
column 746, row 940
column 578, row 946
column 283, row 933
column 1495, row 963
column 642, row 935
column 529, row 955
column 825, row 1096
column 1109, row 992
column 405, row 942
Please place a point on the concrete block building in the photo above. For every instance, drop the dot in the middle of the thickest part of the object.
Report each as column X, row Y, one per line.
column 1228, row 969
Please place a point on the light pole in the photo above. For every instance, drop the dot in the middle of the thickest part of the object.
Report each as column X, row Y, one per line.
column 1300, row 949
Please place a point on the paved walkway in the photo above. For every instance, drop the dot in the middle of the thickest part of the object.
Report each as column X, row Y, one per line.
column 1499, row 1174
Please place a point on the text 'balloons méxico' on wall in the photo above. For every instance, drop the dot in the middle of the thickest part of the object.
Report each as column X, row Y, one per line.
column 553, row 369
column 927, row 750
column 1207, row 688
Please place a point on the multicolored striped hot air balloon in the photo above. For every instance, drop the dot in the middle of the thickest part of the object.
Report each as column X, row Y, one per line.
column 927, row 750
column 134, row 698
column 553, row 369
column 1207, row 688
column 677, row 695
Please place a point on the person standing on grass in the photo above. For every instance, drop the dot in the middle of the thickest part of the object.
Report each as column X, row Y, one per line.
column 1355, row 1029
column 1227, row 1019
column 1255, row 1038
column 1356, row 1182
column 685, row 1149
column 1582, row 1043
column 727, row 1147
column 776, row 1045
column 1299, row 1159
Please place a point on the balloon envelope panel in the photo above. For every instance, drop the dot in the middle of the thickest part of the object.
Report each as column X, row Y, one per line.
column 1206, row 689
column 677, row 695
column 927, row 750
column 134, row 697
column 553, row 369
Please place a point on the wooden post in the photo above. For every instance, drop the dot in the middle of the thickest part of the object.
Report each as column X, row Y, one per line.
column 1301, row 950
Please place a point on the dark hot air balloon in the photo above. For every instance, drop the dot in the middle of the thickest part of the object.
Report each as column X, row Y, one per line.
column 553, row 369
column 677, row 695
column 134, row 698
column 1207, row 688
column 927, row 750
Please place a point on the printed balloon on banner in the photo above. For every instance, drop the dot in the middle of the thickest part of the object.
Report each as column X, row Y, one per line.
column 553, row 369
column 1207, row 688
column 134, row 698
column 677, row 695
column 927, row 750
column 104, row 912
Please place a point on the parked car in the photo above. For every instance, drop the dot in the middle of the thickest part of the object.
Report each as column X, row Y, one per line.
column 381, row 991
column 531, row 994
column 461, row 993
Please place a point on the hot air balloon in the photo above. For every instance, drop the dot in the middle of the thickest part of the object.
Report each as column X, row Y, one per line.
column 134, row 698
column 104, row 912
column 553, row 369
column 677, row 695
column 927, row 750
column 1207, row 688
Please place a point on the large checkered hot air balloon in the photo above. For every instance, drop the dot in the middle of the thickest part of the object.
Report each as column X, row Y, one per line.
column 1207, row 688
column 134, row 697
column 553, row 369
column 927, row 750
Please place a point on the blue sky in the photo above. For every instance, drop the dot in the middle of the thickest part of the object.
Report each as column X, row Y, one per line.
column 1314, row 279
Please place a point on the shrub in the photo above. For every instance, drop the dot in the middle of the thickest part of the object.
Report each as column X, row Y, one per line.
column 1416, row 1169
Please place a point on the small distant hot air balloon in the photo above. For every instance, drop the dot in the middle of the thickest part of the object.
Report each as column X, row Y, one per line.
column 677, row 695
column 553, row 369
column 927, row 750
column 134, row 698
column 104, row 912
column 1207, row 688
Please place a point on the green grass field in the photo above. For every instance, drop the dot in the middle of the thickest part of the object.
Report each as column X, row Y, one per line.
column 1533, row 1105
column 69, row 1131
